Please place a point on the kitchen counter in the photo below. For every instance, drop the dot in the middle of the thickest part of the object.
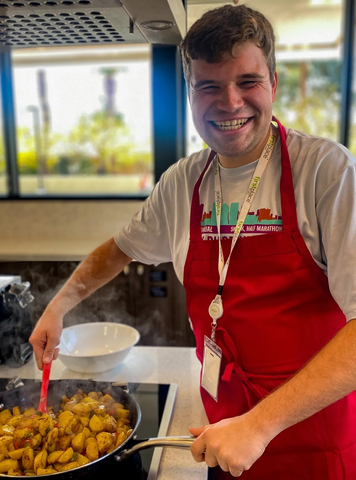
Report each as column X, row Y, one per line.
column 151, row 365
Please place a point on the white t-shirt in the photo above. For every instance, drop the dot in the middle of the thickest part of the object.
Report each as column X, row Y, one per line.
column 324, row 176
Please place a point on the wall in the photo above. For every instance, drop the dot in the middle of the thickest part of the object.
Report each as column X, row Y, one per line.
column 59, row 228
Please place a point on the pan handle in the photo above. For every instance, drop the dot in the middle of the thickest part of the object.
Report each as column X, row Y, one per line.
column 177, row 442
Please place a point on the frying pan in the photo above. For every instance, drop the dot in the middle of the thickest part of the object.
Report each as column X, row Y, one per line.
column 28, row 395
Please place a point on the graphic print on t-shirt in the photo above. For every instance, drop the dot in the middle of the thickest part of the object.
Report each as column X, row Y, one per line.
column 260, row 221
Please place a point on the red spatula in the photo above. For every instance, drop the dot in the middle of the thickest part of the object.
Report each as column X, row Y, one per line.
column 42, row 406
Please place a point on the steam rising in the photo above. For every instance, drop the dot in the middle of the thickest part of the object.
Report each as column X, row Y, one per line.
column 114, row 302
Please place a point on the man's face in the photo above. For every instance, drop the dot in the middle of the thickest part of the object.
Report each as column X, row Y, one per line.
column 231, row 103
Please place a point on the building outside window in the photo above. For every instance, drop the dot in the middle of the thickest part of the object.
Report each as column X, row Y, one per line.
column 83, row 118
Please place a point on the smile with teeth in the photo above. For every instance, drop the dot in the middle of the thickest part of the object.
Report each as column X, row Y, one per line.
column 231, row 124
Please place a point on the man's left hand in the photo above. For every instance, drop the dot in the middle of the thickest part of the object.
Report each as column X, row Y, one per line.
column 234, row 444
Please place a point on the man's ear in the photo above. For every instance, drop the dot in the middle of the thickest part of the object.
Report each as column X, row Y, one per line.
column 274, row 86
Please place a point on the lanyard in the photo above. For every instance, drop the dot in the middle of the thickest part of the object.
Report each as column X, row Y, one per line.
column 216, row 309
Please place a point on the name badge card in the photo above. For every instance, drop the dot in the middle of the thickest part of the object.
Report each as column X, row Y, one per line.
column 211, row 367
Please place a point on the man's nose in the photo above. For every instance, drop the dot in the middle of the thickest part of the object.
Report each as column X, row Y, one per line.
column 230, row 99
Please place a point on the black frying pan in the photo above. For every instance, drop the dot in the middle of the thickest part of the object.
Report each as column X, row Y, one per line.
column 28, row 396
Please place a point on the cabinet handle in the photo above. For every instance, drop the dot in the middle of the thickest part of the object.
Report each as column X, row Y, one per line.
column 140, row 270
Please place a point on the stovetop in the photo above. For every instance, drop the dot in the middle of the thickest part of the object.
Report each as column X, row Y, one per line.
column 156, row 403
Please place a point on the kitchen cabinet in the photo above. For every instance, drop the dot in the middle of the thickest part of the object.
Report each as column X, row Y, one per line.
column 148, row 298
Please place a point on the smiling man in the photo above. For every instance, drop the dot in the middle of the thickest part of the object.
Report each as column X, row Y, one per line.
column 261, row 229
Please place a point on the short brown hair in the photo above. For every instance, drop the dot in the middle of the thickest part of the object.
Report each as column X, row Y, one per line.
column 220, row 29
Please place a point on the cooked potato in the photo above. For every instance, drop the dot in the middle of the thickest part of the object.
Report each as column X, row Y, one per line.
column 5, row 440
column 93, row 451
column 52, row 436
column 29, row 411
column 93, row 395
column 5, row 415
column 28, row 458
column 73, row 401
column 16, row 411
column 40, row 460
column 46, row 471
column 33, row 443
column 8, row 464
column 70, row 466
column 16, row 454
column 64, row 442
column 105, row 440
column 66, row 456
column 120, row 438
column 110, row 424
column 122, row 413
column 14, row 421
column 26, row 422
column 84, row 421
column 65, row 419
column 82, row 409
column 45, row 425
column 14, row 473
column 82, row 460
column 4, row 451
column 53, row 457
column 78, row 442
column 101, row 410
column 95, row 424
column 7, row 430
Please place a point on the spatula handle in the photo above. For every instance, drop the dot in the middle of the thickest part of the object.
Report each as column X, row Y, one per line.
column 42, row 407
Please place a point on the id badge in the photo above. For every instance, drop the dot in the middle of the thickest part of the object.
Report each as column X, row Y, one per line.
column 211, row 367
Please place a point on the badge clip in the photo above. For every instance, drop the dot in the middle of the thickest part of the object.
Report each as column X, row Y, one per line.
column 215, row 311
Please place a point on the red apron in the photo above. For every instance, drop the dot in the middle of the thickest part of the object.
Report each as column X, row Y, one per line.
column 278, row 312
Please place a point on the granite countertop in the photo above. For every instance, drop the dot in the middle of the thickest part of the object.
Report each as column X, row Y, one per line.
column 151, row 365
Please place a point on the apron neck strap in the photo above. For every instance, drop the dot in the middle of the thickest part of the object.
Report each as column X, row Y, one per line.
column 196, row 211
column 288, row 206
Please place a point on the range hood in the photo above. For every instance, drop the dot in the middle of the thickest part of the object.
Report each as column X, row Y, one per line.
column 41, row 23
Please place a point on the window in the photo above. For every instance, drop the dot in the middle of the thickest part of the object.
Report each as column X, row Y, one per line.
column 83, row 119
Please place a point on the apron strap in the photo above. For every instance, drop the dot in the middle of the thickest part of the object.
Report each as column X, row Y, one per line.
column 195, row 210
column 235, row 366
column 288, row 206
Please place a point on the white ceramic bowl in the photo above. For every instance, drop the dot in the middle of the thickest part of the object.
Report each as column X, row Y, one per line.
column 96, row 347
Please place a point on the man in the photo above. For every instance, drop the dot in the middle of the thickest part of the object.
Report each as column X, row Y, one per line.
column 273, row 313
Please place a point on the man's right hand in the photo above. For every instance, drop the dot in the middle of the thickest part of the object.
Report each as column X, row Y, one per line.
column 46, row 337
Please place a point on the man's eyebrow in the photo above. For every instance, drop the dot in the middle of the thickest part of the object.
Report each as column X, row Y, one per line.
column 202, row 83
column 256, row 76
column 252, row 76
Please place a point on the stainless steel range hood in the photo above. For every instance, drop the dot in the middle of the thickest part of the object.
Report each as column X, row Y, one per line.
column 31, row 23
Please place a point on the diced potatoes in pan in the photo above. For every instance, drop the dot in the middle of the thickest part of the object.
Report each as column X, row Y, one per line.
column 86, row 428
